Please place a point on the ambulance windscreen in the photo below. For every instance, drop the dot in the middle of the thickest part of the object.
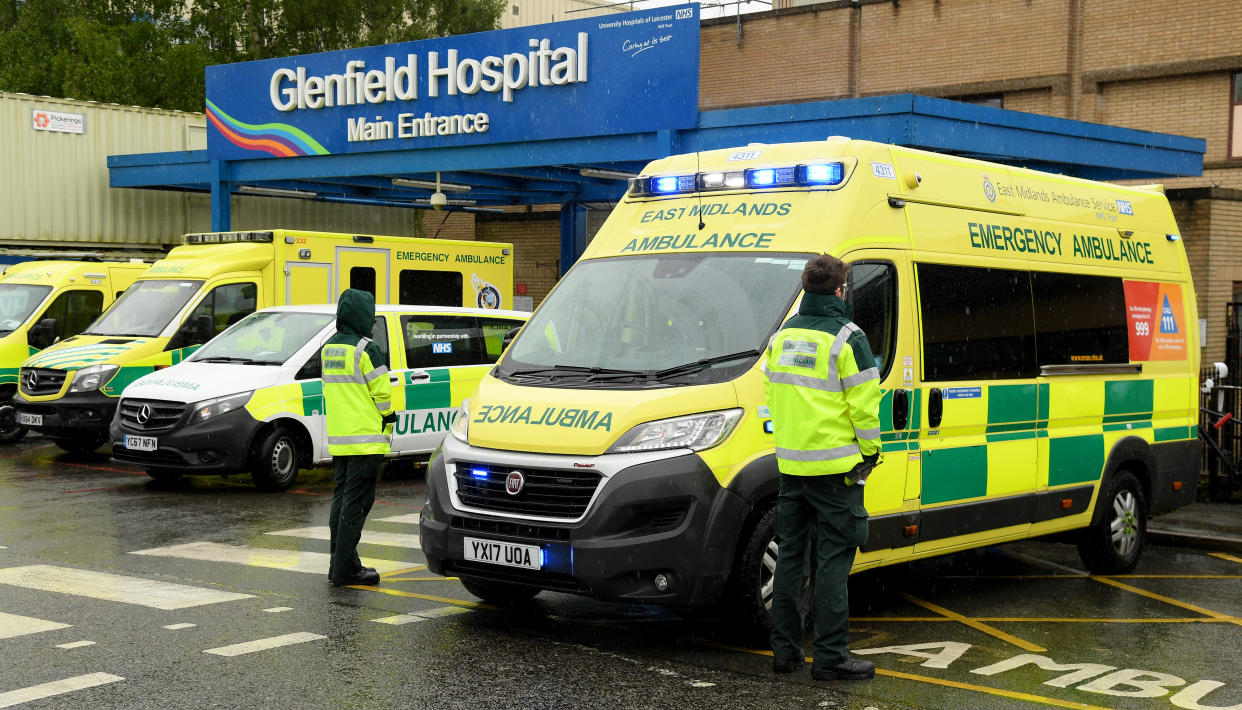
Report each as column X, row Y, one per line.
column 145, row 309
column 17, row 302
column 642, row 321
column 264, row 338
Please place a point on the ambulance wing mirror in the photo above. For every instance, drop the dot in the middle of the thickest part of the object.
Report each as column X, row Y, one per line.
column 901, row 409
column 40, row 336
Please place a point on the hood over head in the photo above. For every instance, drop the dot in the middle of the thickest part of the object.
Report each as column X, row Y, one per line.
column 355, row 313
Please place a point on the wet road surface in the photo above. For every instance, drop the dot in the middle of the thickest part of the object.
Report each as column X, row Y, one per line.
column 120, row 592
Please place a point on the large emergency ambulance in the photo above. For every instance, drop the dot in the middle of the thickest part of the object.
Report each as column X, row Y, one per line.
column 44, row 302
column 69, row 391
column 252, row 398
column 1036, row 338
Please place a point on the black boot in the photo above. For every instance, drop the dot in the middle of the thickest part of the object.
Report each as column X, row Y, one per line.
column 851, row 669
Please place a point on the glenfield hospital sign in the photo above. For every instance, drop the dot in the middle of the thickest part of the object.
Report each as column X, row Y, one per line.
column 621, row 73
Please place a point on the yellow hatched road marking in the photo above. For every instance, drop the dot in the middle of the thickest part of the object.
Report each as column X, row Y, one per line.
column 1115, row 576
column 1011, row 694
column 1041, row 619
column 975, row 624
column 428, row 597
column 1223, row 556
column 415, row 568
column 420, row 579
column 1167, row 600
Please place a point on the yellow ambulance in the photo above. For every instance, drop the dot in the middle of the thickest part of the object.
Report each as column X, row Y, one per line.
column 252, row 398
column 44, row 302
column 1036, row 337
column 69, row 391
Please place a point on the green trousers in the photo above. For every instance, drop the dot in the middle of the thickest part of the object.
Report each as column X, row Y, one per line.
column 823, row 510
column 352, row 498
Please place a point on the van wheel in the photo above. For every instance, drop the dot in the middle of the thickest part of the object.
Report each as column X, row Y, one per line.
column 10, row 430
column 84, row 445
column 754, row 574
column 1114, row 545
column 500, row 593
column 274, row 465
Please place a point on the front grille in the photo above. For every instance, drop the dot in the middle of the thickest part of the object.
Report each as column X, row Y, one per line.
column 159, row 457
column 151, row 414
column 486, row 572
column 510, row 529
column 547, row 492
column 45, row 381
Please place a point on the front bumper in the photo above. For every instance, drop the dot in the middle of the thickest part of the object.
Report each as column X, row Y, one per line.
column 76, row 415
column 655, row 515
column 217, row 446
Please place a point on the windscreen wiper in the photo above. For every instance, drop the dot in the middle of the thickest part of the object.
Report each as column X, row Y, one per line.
column 238, row 360
column 589, row 372
column 697, row 365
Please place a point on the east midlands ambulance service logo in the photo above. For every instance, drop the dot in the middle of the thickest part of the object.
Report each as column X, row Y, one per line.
column 989, row 190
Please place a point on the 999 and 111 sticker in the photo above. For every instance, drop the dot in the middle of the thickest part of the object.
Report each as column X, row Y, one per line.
column 1156, row 320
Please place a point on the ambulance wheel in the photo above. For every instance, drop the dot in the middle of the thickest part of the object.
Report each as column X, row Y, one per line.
column 754, row 574
column 499, row 593
column 275, row 461
column 84, row 445
column 10, row 430
column 1114, row 545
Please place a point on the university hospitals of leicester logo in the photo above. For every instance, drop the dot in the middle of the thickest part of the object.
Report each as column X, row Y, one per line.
column 989, row 190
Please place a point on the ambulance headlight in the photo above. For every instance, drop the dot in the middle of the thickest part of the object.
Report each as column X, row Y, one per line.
column 91, row 378
column 461, row 422
column 695, row 432
column 210, row 408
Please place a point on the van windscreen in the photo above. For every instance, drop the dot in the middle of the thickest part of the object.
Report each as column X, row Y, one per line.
column 145, row 309
column 653, row 320
column 17, row 302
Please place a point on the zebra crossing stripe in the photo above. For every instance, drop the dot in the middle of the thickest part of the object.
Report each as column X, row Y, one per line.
column 369, row 537
column 414, row 617
column 240, row 649
column 59, row 687
column 114, row 587
column 410, row 519
column 289, row 560
column 12, row 625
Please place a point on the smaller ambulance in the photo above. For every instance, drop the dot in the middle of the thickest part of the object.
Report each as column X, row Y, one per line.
column 69, row 392
column 44, row 302
column 252, row 398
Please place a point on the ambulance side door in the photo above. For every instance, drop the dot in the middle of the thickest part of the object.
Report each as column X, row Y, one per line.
column 366, row 269
column 880, row 295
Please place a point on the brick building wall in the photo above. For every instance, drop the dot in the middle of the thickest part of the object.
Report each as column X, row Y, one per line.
column 536, row 239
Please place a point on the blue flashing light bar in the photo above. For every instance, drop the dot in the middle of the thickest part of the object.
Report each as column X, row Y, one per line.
column 478, row 472
column 810, row 175
column 821, row 173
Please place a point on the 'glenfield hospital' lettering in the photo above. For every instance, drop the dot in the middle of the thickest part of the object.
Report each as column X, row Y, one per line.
column 543, row 65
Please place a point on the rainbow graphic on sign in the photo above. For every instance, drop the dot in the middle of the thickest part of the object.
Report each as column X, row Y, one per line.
column 280, row 139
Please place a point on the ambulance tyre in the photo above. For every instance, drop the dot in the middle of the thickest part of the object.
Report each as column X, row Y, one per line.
column 1115, row 544
column 10, row 430
column 84, row 445
column 752, row 579
column 499, row 593
column 275, row 460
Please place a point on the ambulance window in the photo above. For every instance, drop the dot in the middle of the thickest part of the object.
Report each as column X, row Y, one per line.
column 1079, row 319
column 379, row 335
column 73, row 311
column 430, row 288
column 494, row 330
column 362, row 278
column 976, row 322
column 873, row 295
column 441, row 341
column 224, row 306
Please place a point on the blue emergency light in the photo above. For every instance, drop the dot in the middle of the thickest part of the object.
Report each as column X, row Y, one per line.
column 810, row 174
column 822, row 173
column 478, row 472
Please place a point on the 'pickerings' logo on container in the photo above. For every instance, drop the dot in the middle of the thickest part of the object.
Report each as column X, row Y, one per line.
column 989, row 190
column 1124, row 207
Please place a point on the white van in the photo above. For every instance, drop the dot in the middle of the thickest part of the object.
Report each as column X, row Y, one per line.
column 251, row 399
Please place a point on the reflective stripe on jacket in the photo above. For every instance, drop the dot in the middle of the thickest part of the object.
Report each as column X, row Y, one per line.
column 823, row 388
column 357, row 395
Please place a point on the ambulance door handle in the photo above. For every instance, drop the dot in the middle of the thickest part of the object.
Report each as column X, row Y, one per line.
column 935, row 408
column 901, row 409
column 394, row 379
column 417, row 375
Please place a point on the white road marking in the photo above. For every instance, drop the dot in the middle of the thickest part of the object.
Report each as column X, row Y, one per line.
column 12, row 625
column 178, row 627
column 368, row 537
column 239, row 649
column 75, row 644
column 291, row 560
column 400, row 619
column 114, row 587
column 59, row 687
column 278, row 609
column 412, row 519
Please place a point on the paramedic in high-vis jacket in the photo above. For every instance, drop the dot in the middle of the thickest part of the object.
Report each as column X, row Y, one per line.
column 824, row 396
column 358, row 400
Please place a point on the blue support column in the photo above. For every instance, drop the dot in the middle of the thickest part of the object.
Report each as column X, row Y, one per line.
column 573, row 233
column 221, row 197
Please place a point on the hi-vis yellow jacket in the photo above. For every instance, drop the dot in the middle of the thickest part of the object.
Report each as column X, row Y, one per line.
column 823, row 390
column 356, row 391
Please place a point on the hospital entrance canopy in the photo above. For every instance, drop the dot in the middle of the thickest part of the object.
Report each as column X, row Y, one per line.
column 560, row 113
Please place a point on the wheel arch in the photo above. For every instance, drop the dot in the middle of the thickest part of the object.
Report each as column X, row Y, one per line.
column 306, row 453
column 758, row 483
column 1131, row 454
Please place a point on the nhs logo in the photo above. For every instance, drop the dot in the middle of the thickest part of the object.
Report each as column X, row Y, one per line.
column 685, row 14
column 1124, row 207
column 441, row 348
